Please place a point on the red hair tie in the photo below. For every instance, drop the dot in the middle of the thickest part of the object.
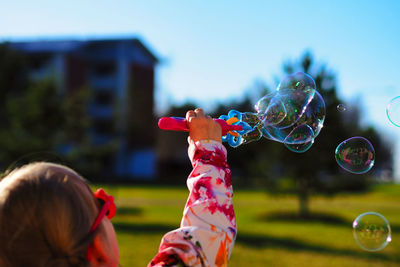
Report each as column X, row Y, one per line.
column 108, row 208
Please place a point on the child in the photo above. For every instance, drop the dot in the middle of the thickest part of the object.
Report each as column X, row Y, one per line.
column 208, row 226
column 50, row 217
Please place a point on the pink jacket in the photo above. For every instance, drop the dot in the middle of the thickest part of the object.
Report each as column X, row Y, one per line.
column 208, row 228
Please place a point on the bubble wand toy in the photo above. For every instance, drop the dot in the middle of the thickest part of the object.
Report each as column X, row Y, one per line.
column 293, row 115
column 232, row 126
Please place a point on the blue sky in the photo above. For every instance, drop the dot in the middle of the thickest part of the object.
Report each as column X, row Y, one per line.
column 214, row 50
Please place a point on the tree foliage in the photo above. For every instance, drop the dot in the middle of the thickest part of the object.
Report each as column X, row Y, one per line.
column 316, row 170
column 30, row 111
column 38, row 120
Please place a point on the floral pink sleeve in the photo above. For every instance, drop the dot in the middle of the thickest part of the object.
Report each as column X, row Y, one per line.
column 208, row 227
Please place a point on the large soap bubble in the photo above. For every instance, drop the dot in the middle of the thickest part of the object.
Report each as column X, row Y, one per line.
column 308, row 119
column 355, row 155
column 293, row 114
column 393, row 111
column 288, row 102
column 271, row 109
column 298, row 81
column 300, row 139
column 372, row 231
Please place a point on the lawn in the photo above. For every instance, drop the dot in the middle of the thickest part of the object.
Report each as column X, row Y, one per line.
column 265, row 236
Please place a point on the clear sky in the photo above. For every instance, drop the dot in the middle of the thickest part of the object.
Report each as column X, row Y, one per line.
column 214, row 50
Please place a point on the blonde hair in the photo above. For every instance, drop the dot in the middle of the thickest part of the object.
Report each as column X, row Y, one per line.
column 46, row 211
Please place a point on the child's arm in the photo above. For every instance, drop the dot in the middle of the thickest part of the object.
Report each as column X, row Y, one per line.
column 208, row 226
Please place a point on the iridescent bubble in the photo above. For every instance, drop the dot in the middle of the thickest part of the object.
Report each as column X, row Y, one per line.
column 393, row 111
column 295, row 103
column 300, row 139
column 312, row 115
column 270, row 109
column 341, row 107
column 372, row 231
column 293, row 114
column 298, row 81
column 294, row 92
column 355, row 155
column 253, row 135
column 253, row 120
column 250, row 118
column 275, row 112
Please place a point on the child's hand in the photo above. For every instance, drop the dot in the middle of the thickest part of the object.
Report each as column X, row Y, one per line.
column 202, row 127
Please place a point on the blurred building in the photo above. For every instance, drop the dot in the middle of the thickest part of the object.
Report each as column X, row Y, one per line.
column 120, row 74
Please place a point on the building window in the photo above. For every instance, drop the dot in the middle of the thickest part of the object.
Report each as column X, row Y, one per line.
column 39, row 62
column 103, row 126
column 103, row 98
column 103, row 68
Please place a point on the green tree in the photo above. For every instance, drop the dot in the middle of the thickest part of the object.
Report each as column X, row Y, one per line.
column 38, row 119
column 270, row 164
column 31, row 112
column 93, row 160
column 316, row 170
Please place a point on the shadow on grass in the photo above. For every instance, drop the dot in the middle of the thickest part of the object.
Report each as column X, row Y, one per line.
column 265, row 241
column 395, row 228
column 257, row 241
column 136, row 228
column 325, row 218
column 129, row 211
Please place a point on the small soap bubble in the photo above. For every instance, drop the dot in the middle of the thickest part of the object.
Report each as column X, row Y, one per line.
column 253, row 135
column 355, row 155
column 372, row 231
column 250, row 118
column 253, row 120
column 393, row 111
column 341, row 107
column 270, row 109
column 300, row 139
column 275, row 113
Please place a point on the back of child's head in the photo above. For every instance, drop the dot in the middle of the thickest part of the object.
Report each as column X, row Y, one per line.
column 46, row 211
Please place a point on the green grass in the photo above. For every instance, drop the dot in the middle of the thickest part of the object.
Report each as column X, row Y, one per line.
column 265, row 236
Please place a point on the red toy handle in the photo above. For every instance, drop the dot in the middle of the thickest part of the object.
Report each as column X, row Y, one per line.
column 179, row 124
